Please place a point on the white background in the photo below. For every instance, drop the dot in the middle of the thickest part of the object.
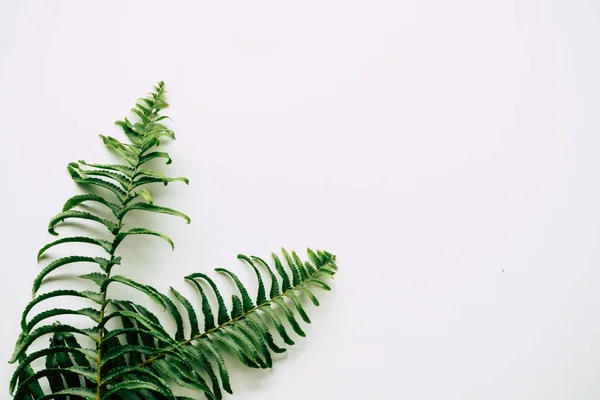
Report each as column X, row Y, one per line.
column 429, row 144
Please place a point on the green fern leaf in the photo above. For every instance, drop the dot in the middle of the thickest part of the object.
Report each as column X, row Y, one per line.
column 247, row 303
column 133, row 356
column 124, row 169
column 193, row 318
column 79, row 199
column 209, row 319
column 223, row 315
column 261, row 296
column 105, row 244
column 120, row 149
column 153, row 208
column 78, row 178
column 141, row 231
column 37, row 282
column 151, row 156
column 82, row 215
column 274, row 291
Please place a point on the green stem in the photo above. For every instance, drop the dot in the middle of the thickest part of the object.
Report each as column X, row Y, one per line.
column 103, row 302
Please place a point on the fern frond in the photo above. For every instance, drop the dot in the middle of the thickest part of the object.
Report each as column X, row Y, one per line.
column 118, row 182
column 242, row 329
column 117, row 349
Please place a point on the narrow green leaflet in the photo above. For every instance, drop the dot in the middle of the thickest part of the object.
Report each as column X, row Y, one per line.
column 156, row 154
column 124, row 169
column 78, row 178
column 246, row 300
column 87, row 312
column 82, row 198
column 37, row 282
column 105, row 244
column 81, row 215
column 146, row 196
column 120, row 149
column 193, row 318
column 141, row 231
column 154, row 208
column 149, row 290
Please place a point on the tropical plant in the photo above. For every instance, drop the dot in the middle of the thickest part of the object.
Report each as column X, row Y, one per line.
column 126, row 352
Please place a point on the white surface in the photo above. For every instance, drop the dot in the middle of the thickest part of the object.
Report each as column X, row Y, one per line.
column 429, row 144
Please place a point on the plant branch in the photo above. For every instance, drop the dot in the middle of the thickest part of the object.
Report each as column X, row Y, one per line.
column 103, row 302
column 233, row 320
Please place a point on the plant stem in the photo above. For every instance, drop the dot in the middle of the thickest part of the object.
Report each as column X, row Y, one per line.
column 103, row 302
column 107, row 276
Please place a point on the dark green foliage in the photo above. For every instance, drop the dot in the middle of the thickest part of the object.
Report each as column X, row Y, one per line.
column 119, row 349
